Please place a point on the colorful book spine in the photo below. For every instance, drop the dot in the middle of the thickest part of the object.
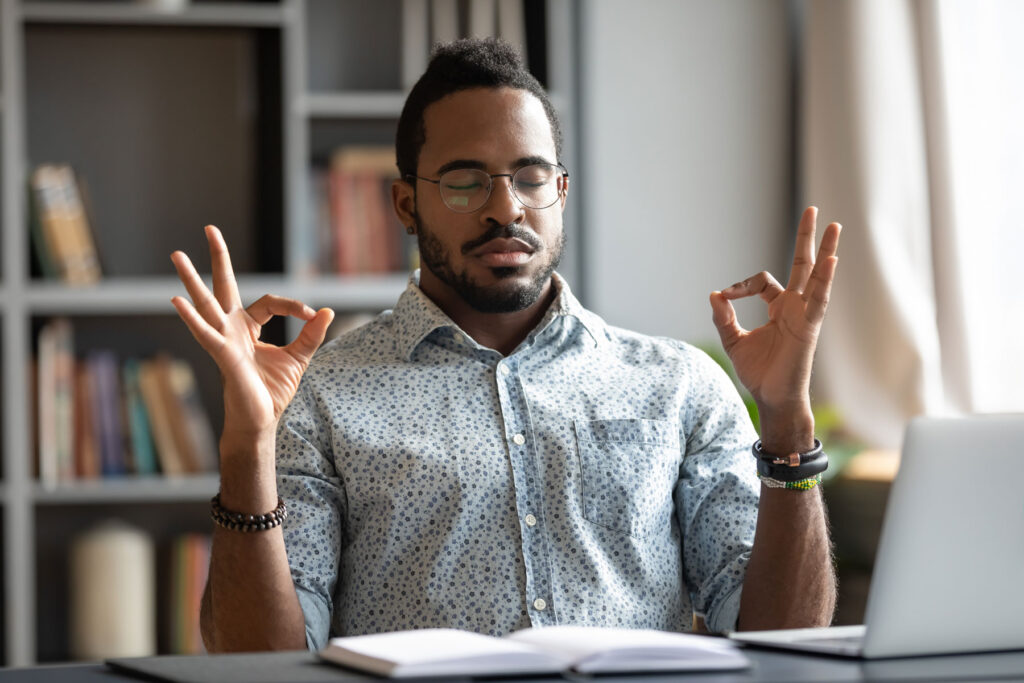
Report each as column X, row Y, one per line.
column 142, row 447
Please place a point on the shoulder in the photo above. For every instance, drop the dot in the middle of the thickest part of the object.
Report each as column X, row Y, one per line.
column 636, row 347
column 371, row 343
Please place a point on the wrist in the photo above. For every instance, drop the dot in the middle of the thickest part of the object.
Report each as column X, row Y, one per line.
column 248, row 473
column 786, row 430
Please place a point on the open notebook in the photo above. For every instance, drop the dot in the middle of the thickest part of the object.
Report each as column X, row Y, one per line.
column 553, row 649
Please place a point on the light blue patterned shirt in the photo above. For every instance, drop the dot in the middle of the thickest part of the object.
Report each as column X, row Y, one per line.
column 593, row 476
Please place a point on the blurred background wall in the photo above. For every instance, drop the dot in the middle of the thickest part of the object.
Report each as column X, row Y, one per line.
column 687, row 156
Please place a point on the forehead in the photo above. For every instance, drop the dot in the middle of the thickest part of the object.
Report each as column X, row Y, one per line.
column 492, row 125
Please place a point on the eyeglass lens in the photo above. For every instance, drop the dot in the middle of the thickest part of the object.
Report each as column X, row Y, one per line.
column 537, row 186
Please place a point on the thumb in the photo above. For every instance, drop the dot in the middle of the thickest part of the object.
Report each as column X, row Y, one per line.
column 724, row 317
column 312, row 334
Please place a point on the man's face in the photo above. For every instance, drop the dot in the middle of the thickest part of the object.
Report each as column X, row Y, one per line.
column 499, row 258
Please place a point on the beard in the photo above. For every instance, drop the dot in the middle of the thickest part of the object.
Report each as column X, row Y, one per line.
column 507, row 295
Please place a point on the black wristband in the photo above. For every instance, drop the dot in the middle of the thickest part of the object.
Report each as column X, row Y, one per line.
column 793, row 467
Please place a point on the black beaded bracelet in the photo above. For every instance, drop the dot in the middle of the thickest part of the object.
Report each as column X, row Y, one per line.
column 240, row 521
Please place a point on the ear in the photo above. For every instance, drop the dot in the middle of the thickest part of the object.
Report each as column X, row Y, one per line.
column 403, row 197
column 564, row 191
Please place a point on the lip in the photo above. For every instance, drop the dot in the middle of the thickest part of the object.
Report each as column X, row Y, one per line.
column 504, row 245
column 504, row 252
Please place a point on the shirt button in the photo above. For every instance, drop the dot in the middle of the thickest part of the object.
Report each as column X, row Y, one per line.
column 459, row 339
column 519, row 439
column 540, row 605
column 531, row 520
column 504, row 369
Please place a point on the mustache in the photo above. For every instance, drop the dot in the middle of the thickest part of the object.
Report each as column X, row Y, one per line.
column 510, row 231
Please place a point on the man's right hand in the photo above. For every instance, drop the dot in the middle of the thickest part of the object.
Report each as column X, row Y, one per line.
column 250, row 601
column 260, row 379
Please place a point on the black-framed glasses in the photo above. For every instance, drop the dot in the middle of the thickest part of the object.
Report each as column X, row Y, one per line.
column 536, row 186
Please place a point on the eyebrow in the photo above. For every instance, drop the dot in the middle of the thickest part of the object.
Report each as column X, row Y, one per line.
column 477, row 164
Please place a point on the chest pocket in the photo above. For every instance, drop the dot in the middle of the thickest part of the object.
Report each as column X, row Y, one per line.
column 629, row 470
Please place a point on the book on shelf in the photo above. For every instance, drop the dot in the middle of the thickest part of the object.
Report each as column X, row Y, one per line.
column 59, row 226
column 357, row 230
column 106, row 404
column 55, row 384
column 87, row 443
column 140, row 435
column 545, row 650
column 103, row 417
column 202, row 443
column 189, row 562
column 181, row 431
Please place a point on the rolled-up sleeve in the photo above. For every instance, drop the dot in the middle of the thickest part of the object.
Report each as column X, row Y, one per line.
column 717, row 496
column 309, row 484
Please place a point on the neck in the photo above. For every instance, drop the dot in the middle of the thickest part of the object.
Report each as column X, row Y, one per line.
column 502, row 332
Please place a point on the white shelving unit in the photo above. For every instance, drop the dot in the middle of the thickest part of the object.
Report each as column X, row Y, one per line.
column 323, row 73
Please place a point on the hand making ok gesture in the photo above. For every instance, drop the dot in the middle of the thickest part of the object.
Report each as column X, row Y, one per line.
column 774, row 360
column 260, row 379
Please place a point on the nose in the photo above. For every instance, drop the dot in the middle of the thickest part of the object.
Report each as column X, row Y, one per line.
column 502, row 206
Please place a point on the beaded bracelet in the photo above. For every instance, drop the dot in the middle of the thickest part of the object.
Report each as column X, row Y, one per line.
column 799, row 485
column 239, row 521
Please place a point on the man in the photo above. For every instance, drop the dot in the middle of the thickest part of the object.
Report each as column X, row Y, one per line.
column 489, row 455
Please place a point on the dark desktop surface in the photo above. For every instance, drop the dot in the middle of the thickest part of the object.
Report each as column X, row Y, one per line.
column 304, row 667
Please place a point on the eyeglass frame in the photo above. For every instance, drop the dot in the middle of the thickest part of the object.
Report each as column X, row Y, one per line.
column 490, row 184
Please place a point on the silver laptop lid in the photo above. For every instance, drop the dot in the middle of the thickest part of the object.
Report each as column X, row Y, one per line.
column 949, row 573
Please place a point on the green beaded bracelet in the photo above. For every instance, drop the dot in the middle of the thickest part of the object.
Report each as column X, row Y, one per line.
column 799, row 485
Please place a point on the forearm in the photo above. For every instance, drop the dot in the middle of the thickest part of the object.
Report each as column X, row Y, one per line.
column 250, row 602
column 790, row 580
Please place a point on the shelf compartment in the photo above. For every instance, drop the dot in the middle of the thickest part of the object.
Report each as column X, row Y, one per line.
column 212, row 14
column 352, row 45
column 200, row 139
column 57, row 525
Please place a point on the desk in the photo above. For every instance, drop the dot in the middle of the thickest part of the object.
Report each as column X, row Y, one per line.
column 777, row 667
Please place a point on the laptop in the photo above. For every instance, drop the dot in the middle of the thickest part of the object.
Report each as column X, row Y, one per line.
column 949, row 572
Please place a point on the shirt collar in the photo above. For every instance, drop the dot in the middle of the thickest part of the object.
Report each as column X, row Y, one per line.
column 415, row 316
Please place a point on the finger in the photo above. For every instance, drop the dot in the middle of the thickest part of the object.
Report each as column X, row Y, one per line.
column 819, row 289
column 829, row 246
column 724, row 317
column 224, row 286
column 269, row 305
column 803, row 255
column 204, row 302
column 830, row 241
column 311, row 335
column 763, row 284
column 208, row 338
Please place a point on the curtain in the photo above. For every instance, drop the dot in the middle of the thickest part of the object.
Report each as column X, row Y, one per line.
column 920, row 159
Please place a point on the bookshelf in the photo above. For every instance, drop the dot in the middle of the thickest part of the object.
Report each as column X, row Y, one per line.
column 219, row 115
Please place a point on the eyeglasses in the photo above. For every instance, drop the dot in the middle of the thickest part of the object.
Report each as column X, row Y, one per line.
column 536, row 186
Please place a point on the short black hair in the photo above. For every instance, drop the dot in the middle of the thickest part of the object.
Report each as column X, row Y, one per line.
column 462, row 65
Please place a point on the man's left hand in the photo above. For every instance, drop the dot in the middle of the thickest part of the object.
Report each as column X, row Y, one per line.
column 774, row 361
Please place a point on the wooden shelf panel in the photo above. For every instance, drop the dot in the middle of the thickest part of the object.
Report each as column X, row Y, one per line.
column 122, row 13
column 153, row 295
column 128, row 490
column 355, row 104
